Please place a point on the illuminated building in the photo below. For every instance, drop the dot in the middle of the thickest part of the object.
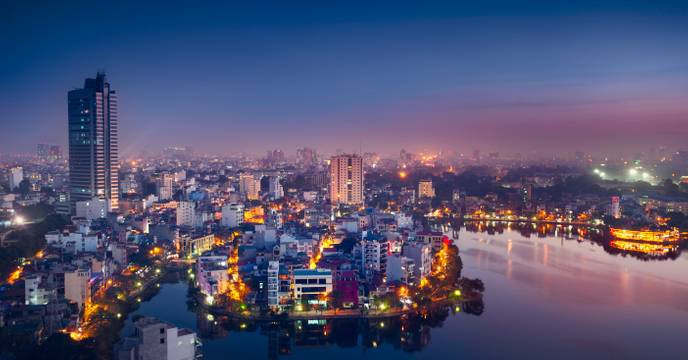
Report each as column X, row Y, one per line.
column 35, row 291
column 311, row 285
column 249, row 186
column 425, row 189
column 432, row 238
column 374, row 251
column 93, row 147
column 279, row 286
column 211, row 274
column 255, row 215
column 190, row 245
column 346, row 180
column 646, row 235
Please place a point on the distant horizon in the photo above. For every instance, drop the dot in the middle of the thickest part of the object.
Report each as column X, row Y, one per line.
column 547, row 77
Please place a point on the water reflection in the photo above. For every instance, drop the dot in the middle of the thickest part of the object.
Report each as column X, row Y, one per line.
column 409, row 333
column 561, row 295
column 639, row 250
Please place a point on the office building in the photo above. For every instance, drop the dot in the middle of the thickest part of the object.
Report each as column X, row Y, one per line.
column 312, row 286
column 346, row 180
column 93, row 146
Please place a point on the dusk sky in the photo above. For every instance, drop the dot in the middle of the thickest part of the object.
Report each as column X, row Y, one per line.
column 551, row 76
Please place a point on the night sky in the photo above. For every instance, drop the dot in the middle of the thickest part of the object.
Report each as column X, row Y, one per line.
column 546, row 76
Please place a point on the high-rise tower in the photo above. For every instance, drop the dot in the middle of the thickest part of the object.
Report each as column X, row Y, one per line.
column 93, row 161
column 346, row 180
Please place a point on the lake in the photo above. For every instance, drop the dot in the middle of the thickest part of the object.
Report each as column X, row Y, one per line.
column 546, row 296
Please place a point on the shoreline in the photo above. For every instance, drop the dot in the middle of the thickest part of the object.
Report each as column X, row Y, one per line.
column 329, row 314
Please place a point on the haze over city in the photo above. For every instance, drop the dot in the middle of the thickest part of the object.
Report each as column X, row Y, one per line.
column 388, row 180
column 449, row 76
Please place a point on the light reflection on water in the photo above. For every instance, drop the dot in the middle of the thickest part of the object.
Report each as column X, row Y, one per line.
column 546, row 297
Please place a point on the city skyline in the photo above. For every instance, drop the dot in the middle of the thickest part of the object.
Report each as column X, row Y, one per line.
column 341, row 179
column 444, row 77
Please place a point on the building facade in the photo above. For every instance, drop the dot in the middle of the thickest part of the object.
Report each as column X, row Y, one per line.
column 16, row 177
column 425, row 189
column 93, row 147
column 346, row 180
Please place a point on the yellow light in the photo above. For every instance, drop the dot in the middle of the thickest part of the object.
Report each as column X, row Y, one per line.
column 457, row 292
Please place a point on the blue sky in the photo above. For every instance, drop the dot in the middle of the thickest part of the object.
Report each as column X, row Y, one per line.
column 226, row 77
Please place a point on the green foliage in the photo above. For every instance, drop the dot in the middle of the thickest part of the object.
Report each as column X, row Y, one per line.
column 30, row 239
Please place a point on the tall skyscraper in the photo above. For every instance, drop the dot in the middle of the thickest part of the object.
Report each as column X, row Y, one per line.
column 346, row 180
column 93, row 161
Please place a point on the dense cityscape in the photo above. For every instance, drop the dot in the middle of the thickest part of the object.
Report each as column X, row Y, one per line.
column 173, row 251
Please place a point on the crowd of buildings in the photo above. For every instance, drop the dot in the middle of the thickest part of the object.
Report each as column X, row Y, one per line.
column 274, row 234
